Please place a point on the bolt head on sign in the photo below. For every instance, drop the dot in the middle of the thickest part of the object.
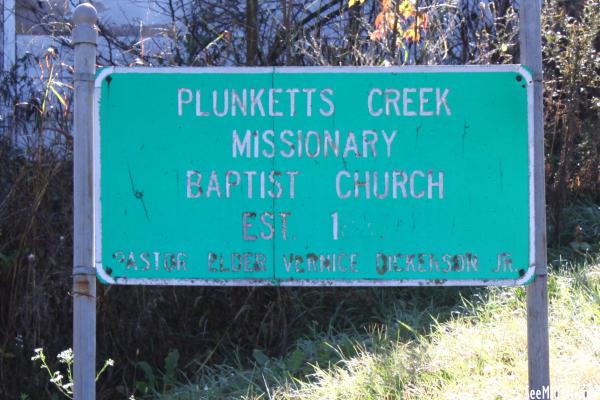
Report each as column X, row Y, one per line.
column 314, row 176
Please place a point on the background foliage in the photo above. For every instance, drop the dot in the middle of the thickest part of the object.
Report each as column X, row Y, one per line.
column 186, row 329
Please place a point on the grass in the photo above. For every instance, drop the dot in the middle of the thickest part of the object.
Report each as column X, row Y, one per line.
column 477, row 351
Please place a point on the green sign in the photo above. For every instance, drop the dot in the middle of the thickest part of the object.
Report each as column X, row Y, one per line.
column 314, row 176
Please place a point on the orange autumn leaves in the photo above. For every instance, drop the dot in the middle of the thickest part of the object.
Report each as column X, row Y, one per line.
column 400, row 17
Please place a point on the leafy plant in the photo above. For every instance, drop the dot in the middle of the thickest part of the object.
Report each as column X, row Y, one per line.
column 572, row 104
column 62, row 376
column 161, row 381
column 401, row 19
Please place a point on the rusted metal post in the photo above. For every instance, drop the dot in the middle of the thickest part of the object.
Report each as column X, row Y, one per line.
column 84, row 275
column 537, row 292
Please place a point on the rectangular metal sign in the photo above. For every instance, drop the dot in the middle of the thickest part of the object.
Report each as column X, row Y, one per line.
column 314, row 176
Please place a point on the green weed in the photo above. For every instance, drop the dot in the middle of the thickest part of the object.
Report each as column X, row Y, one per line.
column 476, row 350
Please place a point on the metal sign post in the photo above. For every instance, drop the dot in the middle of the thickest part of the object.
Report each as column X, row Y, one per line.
column 537, row 293
column 84, row 275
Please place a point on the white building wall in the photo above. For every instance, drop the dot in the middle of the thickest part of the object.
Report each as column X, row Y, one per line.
column 8, row 34
column 18, row 35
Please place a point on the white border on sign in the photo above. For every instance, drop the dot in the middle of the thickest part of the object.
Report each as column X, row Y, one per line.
column 97, row 206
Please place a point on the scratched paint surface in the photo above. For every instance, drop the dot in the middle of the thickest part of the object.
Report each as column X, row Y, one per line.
column 425, row 177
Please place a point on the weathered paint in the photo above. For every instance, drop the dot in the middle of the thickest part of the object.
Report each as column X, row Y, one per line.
column 428, row 181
